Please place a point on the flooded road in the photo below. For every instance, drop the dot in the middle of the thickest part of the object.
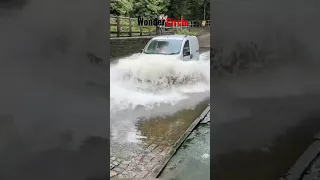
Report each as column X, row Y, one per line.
column 147, row 107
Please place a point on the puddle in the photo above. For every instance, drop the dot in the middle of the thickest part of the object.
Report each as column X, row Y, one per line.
column 167, row 130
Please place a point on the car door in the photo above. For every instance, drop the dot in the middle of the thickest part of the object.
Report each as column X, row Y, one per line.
column 186, row 53
column 195, row 49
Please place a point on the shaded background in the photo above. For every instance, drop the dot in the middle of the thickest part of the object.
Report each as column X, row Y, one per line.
column 262, row 122
column 53, row 124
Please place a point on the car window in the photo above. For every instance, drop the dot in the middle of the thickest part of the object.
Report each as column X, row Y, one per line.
column 158, row 46
column 186, row 47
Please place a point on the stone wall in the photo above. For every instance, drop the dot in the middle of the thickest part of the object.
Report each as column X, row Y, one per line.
column 124, row 46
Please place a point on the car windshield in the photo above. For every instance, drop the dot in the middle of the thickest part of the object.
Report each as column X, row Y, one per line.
column 167, row 46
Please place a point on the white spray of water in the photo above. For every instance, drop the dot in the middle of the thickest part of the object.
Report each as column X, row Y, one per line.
column 150, row 83
column 136, row 81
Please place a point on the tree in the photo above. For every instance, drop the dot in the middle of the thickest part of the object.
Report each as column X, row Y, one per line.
column 175, row 9
column 205, row 5
column 121, row 7
column 189, row 9
column 150, row 8
column 192, row 9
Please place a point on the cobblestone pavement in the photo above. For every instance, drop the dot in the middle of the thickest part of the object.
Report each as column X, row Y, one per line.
column 143, row 162
column 139, row 166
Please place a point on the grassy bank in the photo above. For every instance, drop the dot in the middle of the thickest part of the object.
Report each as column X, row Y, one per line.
column 186, row 32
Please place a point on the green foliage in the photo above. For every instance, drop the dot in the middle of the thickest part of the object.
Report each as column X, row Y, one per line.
column 143, row 8
column 189, row 9
column 150, row 8
column 186, row 32
column 121, row 7
column 175, row 9
column 192, row 9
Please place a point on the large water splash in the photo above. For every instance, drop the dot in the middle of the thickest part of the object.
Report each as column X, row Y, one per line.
column 137, row 81
column 161, row 86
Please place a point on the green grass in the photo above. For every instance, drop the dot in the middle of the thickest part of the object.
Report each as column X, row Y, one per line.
column 125, row 27
column 186, row 32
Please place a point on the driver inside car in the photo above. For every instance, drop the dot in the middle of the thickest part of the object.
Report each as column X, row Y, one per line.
column 162, row 47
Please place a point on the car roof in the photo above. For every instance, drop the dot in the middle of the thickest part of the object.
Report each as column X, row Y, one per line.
column 177, row 37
